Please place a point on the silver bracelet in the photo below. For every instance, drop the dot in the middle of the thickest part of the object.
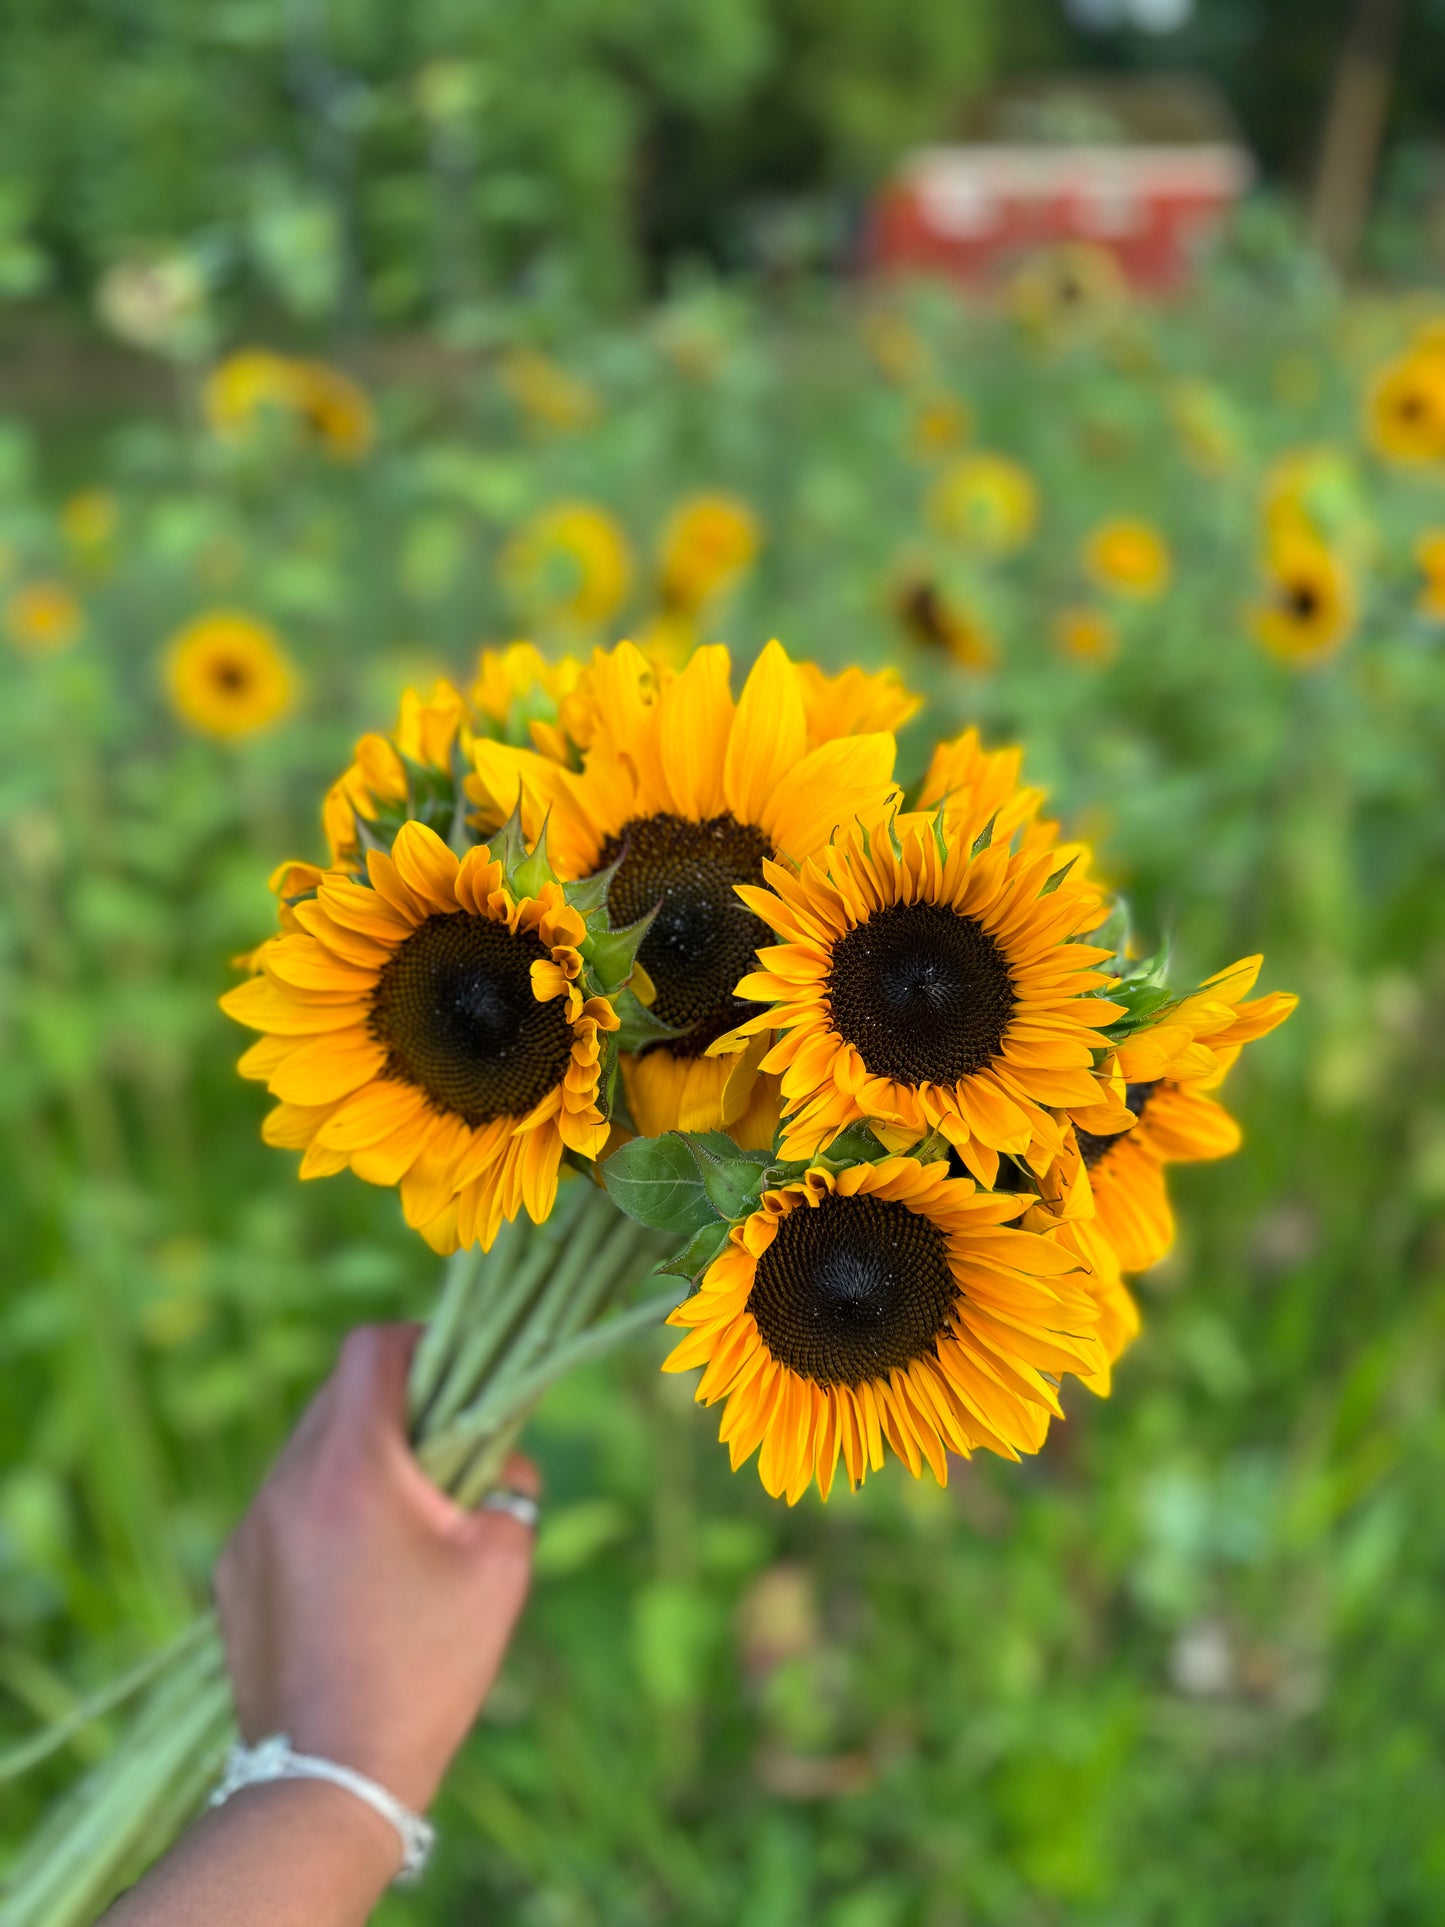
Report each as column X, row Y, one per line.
column 275, row 1759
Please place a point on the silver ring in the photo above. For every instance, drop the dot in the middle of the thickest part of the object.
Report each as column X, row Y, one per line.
column 520, row 1506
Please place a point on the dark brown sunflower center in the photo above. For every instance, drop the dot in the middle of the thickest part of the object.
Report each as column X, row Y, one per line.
column 1091, row 1148
column 230, row 676
column 455, row 1009
column 1302, row 601
column 923, row 994
column 703, row 938
column 852, row 1289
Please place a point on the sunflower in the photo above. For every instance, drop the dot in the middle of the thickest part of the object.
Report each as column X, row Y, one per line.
column 334, row 408
column 888, row 1302
column 688, row 794
column 89, row 519
column 547, row 394
column 398, row 776
column 1128, row 558
column 1206, row 426
column 855, row 702
column 986, row 501
column 429, row 1032
column 1309, row 607
column 42, row 618
column 933, row 619
column 570, row 563
column 255, row 382
column 1060, row 1205
column 1430, row 554
column 1061, row 288
column 227, row 674
column 1164, row 1074
column 1126, row 1171
column 1086, row 634
column 895, row 347
column 518, row 690
column 708, row 544
column 1405, row 411
column 940, row 424
column 921, row 985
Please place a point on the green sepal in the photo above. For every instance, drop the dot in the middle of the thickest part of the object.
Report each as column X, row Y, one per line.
column 1144, row 992
column 639, row 1027
column 698, row 1253
column 984, row 838
column 732, row 1177
column 856, row 1145
column 612, row 953
column 588, row 895
column 527, row 877
column 1053, row 882
column 940, row 840
column 656, row 1180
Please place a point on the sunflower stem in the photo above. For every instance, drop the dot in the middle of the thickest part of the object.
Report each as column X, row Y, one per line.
column 435, row 1349
column 508, row 1295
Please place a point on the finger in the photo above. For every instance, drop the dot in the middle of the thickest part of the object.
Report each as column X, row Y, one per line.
column 493, row 1531
column 519, row 1474
column 370, row 1379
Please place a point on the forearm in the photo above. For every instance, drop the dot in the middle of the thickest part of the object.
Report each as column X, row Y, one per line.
column 291, row 1854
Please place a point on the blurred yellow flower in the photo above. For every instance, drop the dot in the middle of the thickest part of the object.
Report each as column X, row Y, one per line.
column 986, row 501
column 1430, row 554
column 572, row 562
column 547, row 394
column 709, row 542
column 517, row 679
column 1309, row 606
column 327, row 404
column 1207, row 430
column 89, row 519
column 227, row 674
column 935, row 620
column 43, row 617
column 897, row 349
column 1405, row 412
column 941, row 423
column 1088, row 635
column 1061, row 287
column 1129, row 558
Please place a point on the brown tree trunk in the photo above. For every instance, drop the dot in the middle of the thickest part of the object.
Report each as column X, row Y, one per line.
column 1354, row 128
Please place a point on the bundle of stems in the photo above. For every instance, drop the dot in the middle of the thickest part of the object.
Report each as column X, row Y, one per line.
column 509, row 1324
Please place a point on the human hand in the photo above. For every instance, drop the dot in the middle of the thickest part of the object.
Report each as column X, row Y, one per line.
column 364, row 1613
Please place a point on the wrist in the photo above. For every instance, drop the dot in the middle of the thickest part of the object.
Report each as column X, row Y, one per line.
column 320, row 1826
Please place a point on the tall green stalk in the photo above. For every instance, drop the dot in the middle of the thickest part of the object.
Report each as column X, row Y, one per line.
column 508, row 1325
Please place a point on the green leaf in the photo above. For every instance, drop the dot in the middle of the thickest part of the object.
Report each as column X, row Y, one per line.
column 698, row 1253
column 639, row 1027
column 656, row 1180
column 856, row 1145
column 731, row 1177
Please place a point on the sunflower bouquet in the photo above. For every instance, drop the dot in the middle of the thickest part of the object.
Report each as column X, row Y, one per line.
column 616, row 976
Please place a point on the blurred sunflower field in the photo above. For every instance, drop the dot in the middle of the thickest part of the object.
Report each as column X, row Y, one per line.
column 1185, row 1666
